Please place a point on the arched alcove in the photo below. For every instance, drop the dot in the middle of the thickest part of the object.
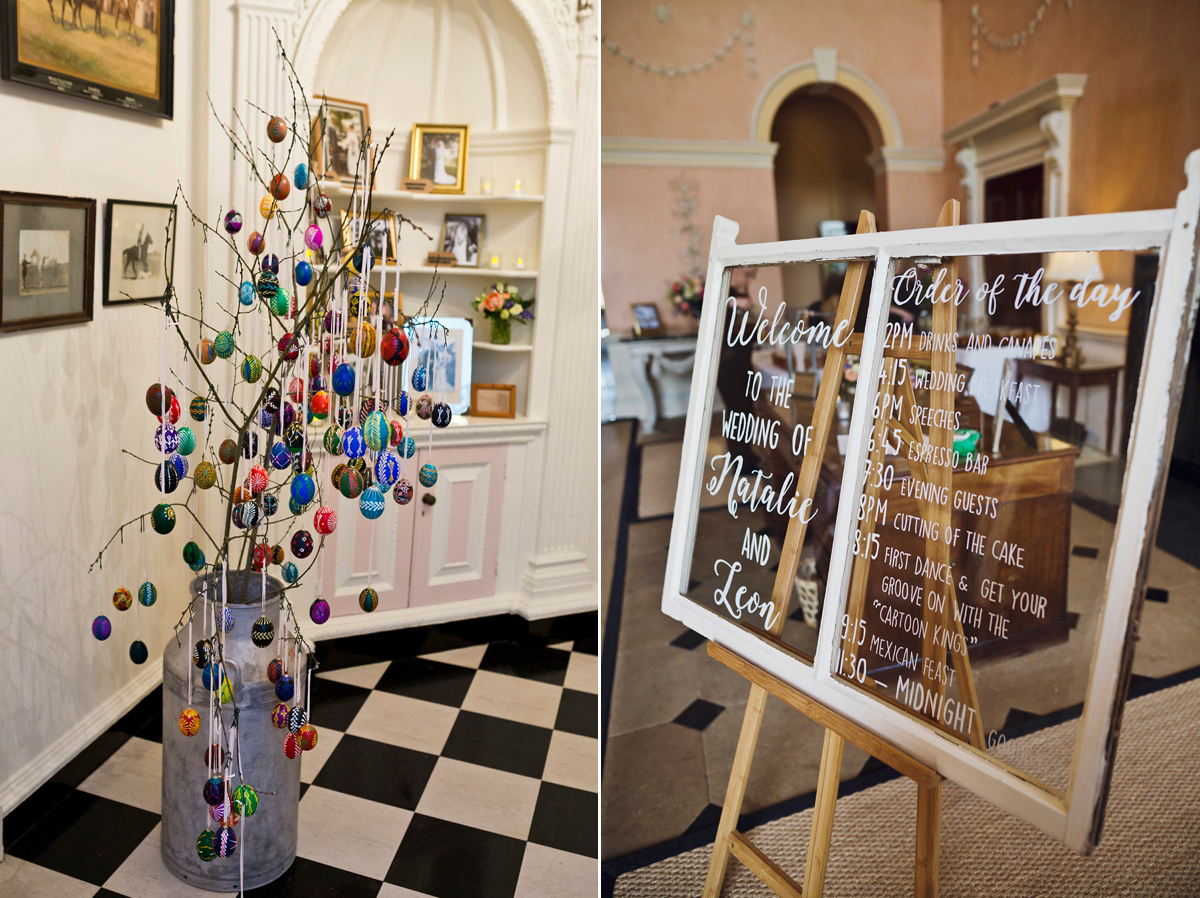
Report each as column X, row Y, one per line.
column 821, row 173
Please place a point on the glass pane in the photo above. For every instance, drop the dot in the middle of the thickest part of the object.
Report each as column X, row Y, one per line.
column 982, row 550
column 773, row 353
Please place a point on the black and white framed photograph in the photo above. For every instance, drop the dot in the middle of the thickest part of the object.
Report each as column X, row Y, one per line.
column 443, row 346
column 338, row 132
column 139, row 250
column 646, row 322
column 47, row 260
column 462, row 236
column 438, row 154
column 381, row 237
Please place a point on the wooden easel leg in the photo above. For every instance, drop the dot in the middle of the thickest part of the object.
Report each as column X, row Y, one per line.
column 929, row 839
column 736, row 791
column 822, row 824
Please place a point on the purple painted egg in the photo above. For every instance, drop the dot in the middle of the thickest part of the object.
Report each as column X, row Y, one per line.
column 319, row 611
column 102, row 627
column 233, row 221
column 314, row 237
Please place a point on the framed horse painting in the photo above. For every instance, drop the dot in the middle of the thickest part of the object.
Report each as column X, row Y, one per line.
column 139, row 251
column 113, row 51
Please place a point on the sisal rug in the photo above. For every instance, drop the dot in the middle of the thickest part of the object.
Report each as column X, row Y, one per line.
column 1150, row 846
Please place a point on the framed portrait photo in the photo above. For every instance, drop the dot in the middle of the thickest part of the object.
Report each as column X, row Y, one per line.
column 47, row 260
column 494, row 400
column 646, row 322
column 139, row 250
column 381, row 238
column 119, row 53
column 338, row 131
column 443, row 346
column 438, row 154
column 462, row 235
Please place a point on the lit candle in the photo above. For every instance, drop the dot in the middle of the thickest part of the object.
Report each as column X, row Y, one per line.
column 486, row 185
column 494, row 260
column 517, row 186
column 520, row 263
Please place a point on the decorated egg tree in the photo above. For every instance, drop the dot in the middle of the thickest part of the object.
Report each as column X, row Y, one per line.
column 288, row 346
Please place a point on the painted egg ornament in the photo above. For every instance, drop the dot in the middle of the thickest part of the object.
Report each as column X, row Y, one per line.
column 254, row 243
column 407, row 447
column 335, row 476
column 360, row 465
column 368, row 599
column 172, row 411
column 202, row 653
column 318, row 611
column 208, row 352
column 353, row 443
column 325, row 520
column 296, row 389
column 189, row 722
column 214, row 756
column 343, row 380
column 420, row 378
column 210, row 675
column 401, row 403
column 245, row 800
column 303, row 489
column 320, row 405
column 376, row 431
column 403, row 492
column 225, row 619
column 351, row 485
column 166, row 478
column 268, row 281
column 289, row 348
column 162, row 519
column 300, row 176
column 387, row 469
column 281, row 303
column 179, row 463
column 291, row 748
column 270, row 263
column 333, row 325
column 249, row 444
column 442, row 414
column 262, row 634
column 191, row 552
column 101, row 627
column 186, row 441
column 281, row 456
column 223, row 344
column 290, row 572
column 267, row 207
column 362, row 339
column 322, row 206
column 302, row 463
column 226, row 691
column 198, row 564
column 245, row 515
column 302, row 544
column 274, row 672
column 257, row 479
column 138, row 653
column 158, row 397
column 270, row 506
column 304, row 273
column 293, row 435
column 246, row 293
column 227, row 452
column 251, row 369
column 166, row 438
column 223, row 813
column 306, row 738
column 147, row 594
column 427, row 475
column 314, row 237
column 225, row 841
column 198, row 409
column 333, row 440
column 277, row 555
column 397, row 433
column 297, row 717
column 316, row 383
column 279, row 712
column 365, row 408
column 394, row 346
column 280, row 186
column 276, row 129
column 371, row 503
column 345, row 417
column 425, row 407
column 206, row 475
column 233, row 221
column 284, row 690
column 206, row 845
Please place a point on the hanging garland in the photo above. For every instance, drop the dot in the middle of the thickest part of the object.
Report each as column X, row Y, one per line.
column 1011, row 43
column 742, row 33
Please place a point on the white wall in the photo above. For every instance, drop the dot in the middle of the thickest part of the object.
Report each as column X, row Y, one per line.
column 74, row 396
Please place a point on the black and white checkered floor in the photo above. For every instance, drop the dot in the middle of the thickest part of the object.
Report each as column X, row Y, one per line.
column 457, row 760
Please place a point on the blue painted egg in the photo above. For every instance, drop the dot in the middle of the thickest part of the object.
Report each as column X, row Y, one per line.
column 300, row 176
column 353, row 443
column 302, row 544
column 101, row 627
column 281, row 456
column 295, row 507
column 387, row 469
column 285, row 688
column 401, row 403
column 225, row 619
column 407, row 447
column 427, row 475
column 419, row 378
column 304, row 273
column 147, row 594
column 138, row 652
column 166, row 478
column 303, row 489
column 343, row 380
column 180, row 464
column 225, row 841
column 290, row 572
column 371, row 503
column 246, row 293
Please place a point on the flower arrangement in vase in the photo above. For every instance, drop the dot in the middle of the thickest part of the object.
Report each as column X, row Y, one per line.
column 687, row 295
column 502, row 304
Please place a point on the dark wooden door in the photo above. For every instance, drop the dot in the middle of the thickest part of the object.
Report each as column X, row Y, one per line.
column 1009, row 198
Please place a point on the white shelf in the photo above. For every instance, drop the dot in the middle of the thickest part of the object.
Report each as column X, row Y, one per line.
column 504, row 347
column 454, row 199
column 506, row 274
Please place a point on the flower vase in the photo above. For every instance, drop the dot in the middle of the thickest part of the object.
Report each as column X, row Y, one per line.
column 501, row 330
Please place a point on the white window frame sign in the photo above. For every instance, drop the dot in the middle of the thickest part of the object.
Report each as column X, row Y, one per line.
column 1074, row 816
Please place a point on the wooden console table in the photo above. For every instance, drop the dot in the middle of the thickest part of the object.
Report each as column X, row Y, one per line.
column 1073, row 379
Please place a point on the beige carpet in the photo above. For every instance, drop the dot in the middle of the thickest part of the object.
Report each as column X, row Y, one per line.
column 1150, row 846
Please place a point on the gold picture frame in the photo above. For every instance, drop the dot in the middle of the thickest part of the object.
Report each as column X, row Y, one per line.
column 493, row 400
column 437, row 150
column 339, row 127
column 384, row 223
